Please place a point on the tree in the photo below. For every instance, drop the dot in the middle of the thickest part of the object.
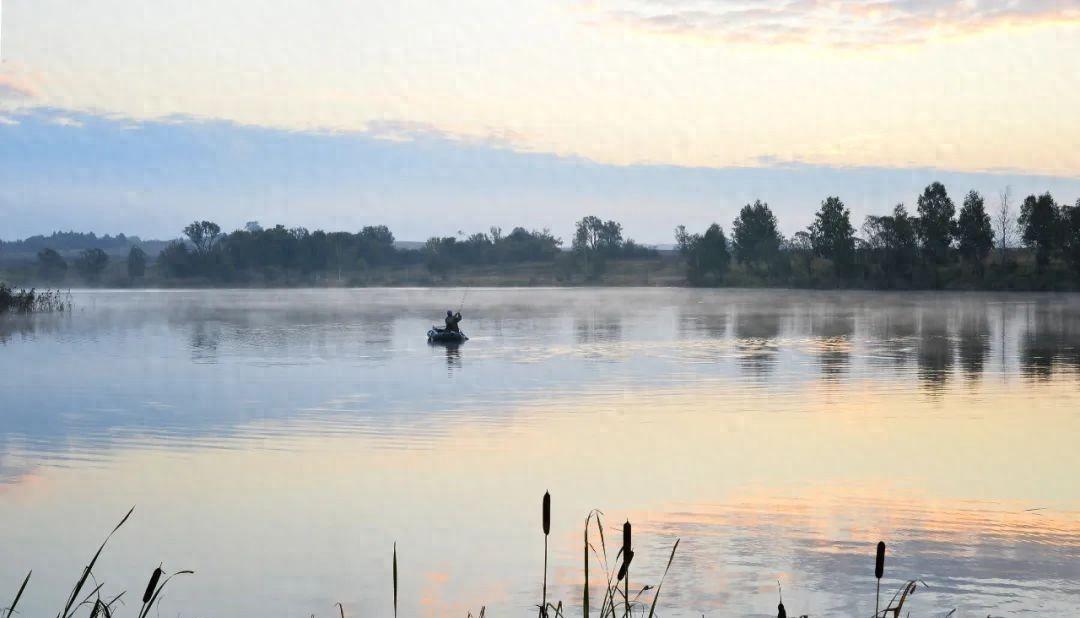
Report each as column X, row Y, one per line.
column 892, row 240
column 707, row 256
column 91, row 263
column 51, row 266
column 595, row 237
column 755, row 234
column 1005, row 222
column 974, row 232
column 587, row 234
column 1070, row 216
column 1038, row 221
column 831, row 234
column 203, row 235
column 935, row 226
column 175, row 260
column 136, row 263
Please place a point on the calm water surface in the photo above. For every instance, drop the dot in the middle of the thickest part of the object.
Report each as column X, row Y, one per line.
column 280, row 442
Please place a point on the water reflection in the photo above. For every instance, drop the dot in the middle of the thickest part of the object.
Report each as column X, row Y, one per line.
column 756, row 331
column 452, row 351
column 756, row 412
column 817, row 543
column 974, row 341
column 935, row 349
column 833, row 332
column 600, row 329
column 1050, row 339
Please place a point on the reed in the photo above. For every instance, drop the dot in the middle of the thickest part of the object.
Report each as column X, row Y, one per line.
column 32, row 301
column 618, row 601
column 18, row 595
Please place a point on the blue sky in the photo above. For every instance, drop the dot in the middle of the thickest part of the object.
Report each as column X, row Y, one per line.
column 65, row 170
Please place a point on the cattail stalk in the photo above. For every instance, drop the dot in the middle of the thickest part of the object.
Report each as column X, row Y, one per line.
column 395, row 580
column 879, row 570
column 546, row 508
column 628, row 554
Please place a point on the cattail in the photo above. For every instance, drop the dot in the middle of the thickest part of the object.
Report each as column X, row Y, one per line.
column 879, row 564
column 151, row 586
column 628, row 555
column 547, row 513
column 546, row 525
column 780, row 611
column 879, row 570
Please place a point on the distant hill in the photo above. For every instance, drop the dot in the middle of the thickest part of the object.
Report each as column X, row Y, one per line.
column 70, row 243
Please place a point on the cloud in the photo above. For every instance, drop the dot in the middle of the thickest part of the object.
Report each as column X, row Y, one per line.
column 12, row 87
column 832, row 23
column 66, row 121
column 409, row 131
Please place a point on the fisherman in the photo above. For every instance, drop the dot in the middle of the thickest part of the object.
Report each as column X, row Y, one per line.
column 452, row 320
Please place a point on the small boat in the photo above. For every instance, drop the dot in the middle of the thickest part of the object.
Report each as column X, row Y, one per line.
column 441, row 335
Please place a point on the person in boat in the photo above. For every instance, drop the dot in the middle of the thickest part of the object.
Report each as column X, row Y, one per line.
column 452, row 320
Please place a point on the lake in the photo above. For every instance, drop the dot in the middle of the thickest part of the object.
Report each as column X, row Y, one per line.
column 279, row 442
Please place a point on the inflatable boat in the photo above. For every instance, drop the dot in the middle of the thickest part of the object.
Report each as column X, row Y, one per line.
column 441, row 335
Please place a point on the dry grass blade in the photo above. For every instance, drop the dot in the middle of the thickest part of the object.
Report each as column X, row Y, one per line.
column 89, row 568
column 908, row 589
column 18, row 595
column 92, row 593
column 341, row 609
column 585, row 591
column 656, row 597
column 395, row 581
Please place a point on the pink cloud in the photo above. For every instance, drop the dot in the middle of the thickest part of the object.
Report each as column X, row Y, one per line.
column 834, row 23
column 12, row 87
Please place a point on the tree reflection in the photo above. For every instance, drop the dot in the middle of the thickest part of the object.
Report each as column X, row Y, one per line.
column 755, row 335
column 974, row 341
column 935, row 350
column 832, row 333
column 1051, row 337
column 598, row 329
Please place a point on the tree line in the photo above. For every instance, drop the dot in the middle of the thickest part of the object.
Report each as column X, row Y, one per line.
column 934, row 247
column 1032, row 245
column 205, row 252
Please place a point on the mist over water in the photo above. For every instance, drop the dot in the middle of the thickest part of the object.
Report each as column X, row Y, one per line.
column 279, row 442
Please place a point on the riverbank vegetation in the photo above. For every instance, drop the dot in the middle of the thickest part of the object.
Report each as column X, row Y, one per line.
column 32, row 301
column 1030, row 245
column 1034, row 247
column 610, row 586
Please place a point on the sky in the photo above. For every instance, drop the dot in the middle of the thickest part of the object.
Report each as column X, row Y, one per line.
column 434, row 117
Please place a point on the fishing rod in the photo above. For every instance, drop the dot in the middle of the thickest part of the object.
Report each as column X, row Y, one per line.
column 463, row 296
